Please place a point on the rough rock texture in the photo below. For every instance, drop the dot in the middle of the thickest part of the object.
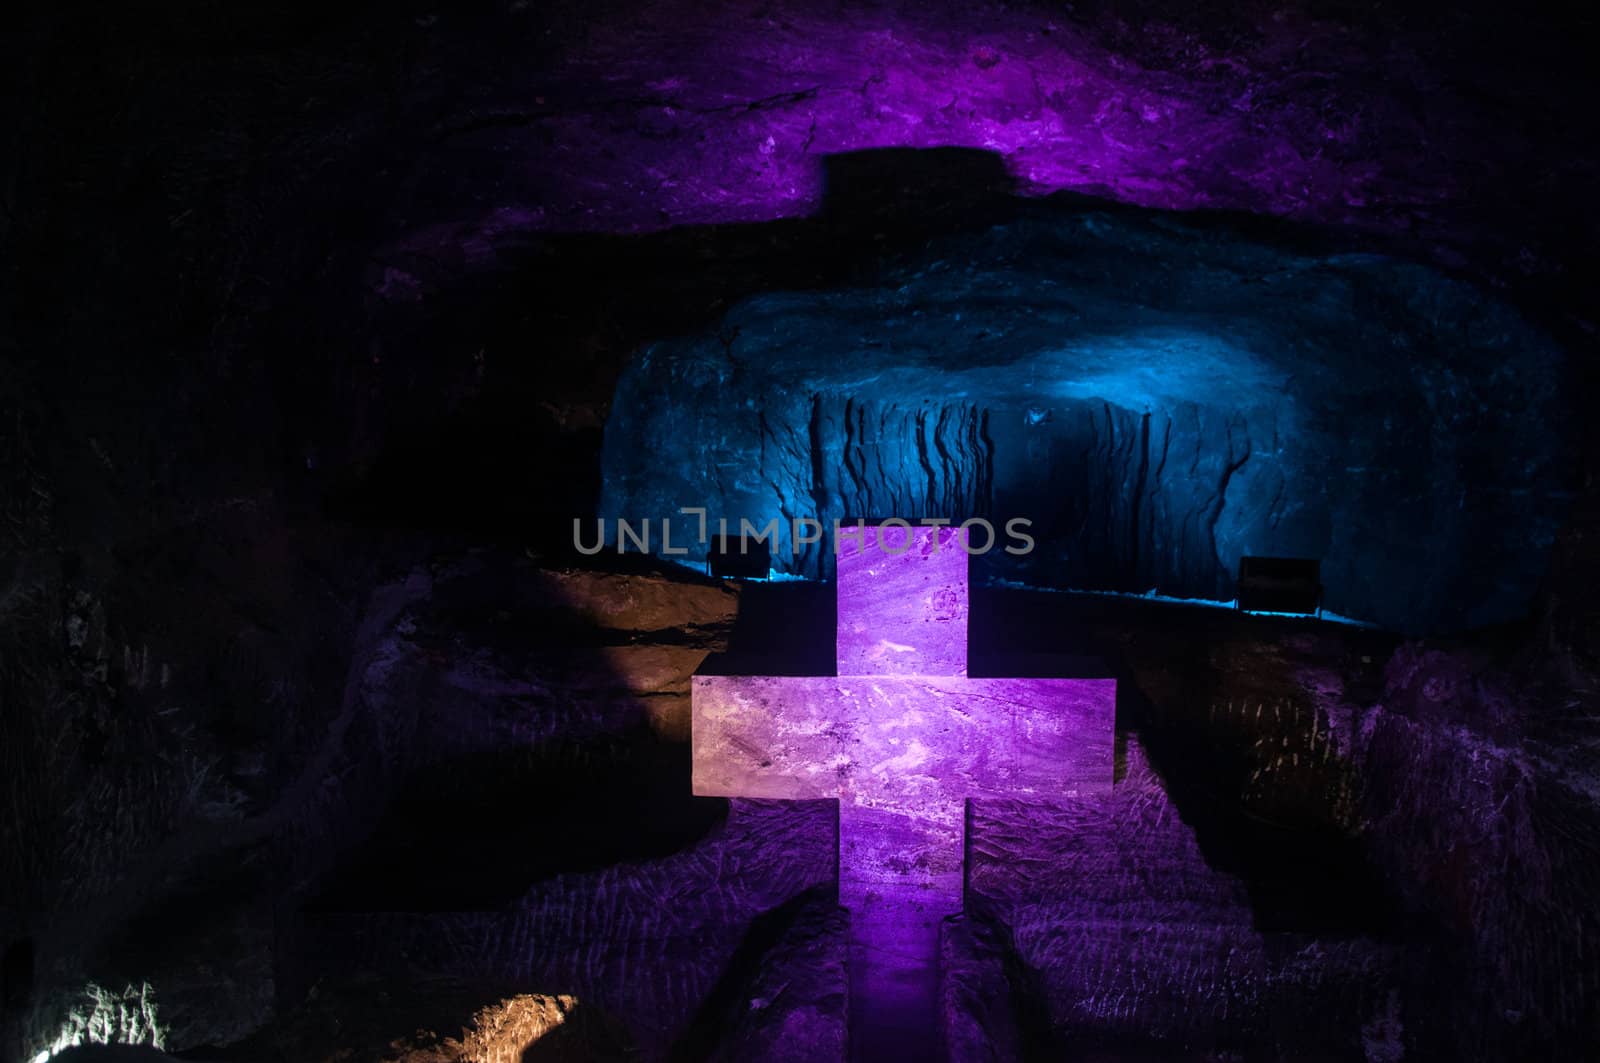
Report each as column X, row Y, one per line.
column 1157, row 399
column 1425, row 808
column 448, row 739
column 793, row 1008
column 435, row 1020
column 445, row 685
column 978, row 1009
column 574, row 858
column 646, row 942
column 1487, row 816
column 155, row 719
column 1399, row 125
column 1130, row 938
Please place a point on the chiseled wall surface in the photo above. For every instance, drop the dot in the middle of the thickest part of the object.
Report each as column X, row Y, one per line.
column 1159, row 400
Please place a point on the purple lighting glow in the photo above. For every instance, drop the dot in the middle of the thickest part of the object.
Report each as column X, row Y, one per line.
column 702, row 119
column 901, row 737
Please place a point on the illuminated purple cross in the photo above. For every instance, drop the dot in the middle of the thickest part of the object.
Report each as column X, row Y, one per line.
column 902, row 737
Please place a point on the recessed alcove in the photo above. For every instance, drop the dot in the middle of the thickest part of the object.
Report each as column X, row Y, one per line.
column 1156, row 396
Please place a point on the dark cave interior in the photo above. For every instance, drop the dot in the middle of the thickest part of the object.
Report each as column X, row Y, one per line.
column 326, row 329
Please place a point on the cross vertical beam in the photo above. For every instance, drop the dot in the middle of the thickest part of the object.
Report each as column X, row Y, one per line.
column 901, row 737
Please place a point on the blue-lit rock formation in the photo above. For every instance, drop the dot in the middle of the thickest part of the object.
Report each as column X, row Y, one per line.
column 1157, row 397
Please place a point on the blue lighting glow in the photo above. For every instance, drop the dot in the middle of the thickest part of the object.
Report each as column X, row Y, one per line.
column 1158, row 407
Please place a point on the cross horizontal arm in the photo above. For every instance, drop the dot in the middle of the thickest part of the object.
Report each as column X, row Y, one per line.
column 899, row 739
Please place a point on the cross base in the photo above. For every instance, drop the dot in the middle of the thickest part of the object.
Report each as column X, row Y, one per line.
column 900, row 875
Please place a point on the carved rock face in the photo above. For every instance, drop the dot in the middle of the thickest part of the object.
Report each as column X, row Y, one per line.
column 1159, row 399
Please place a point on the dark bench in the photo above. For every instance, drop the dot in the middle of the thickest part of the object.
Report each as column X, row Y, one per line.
column 739, row 556
column 1280, row 584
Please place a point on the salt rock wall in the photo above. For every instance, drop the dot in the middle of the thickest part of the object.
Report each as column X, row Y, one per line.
column 1158, row 397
